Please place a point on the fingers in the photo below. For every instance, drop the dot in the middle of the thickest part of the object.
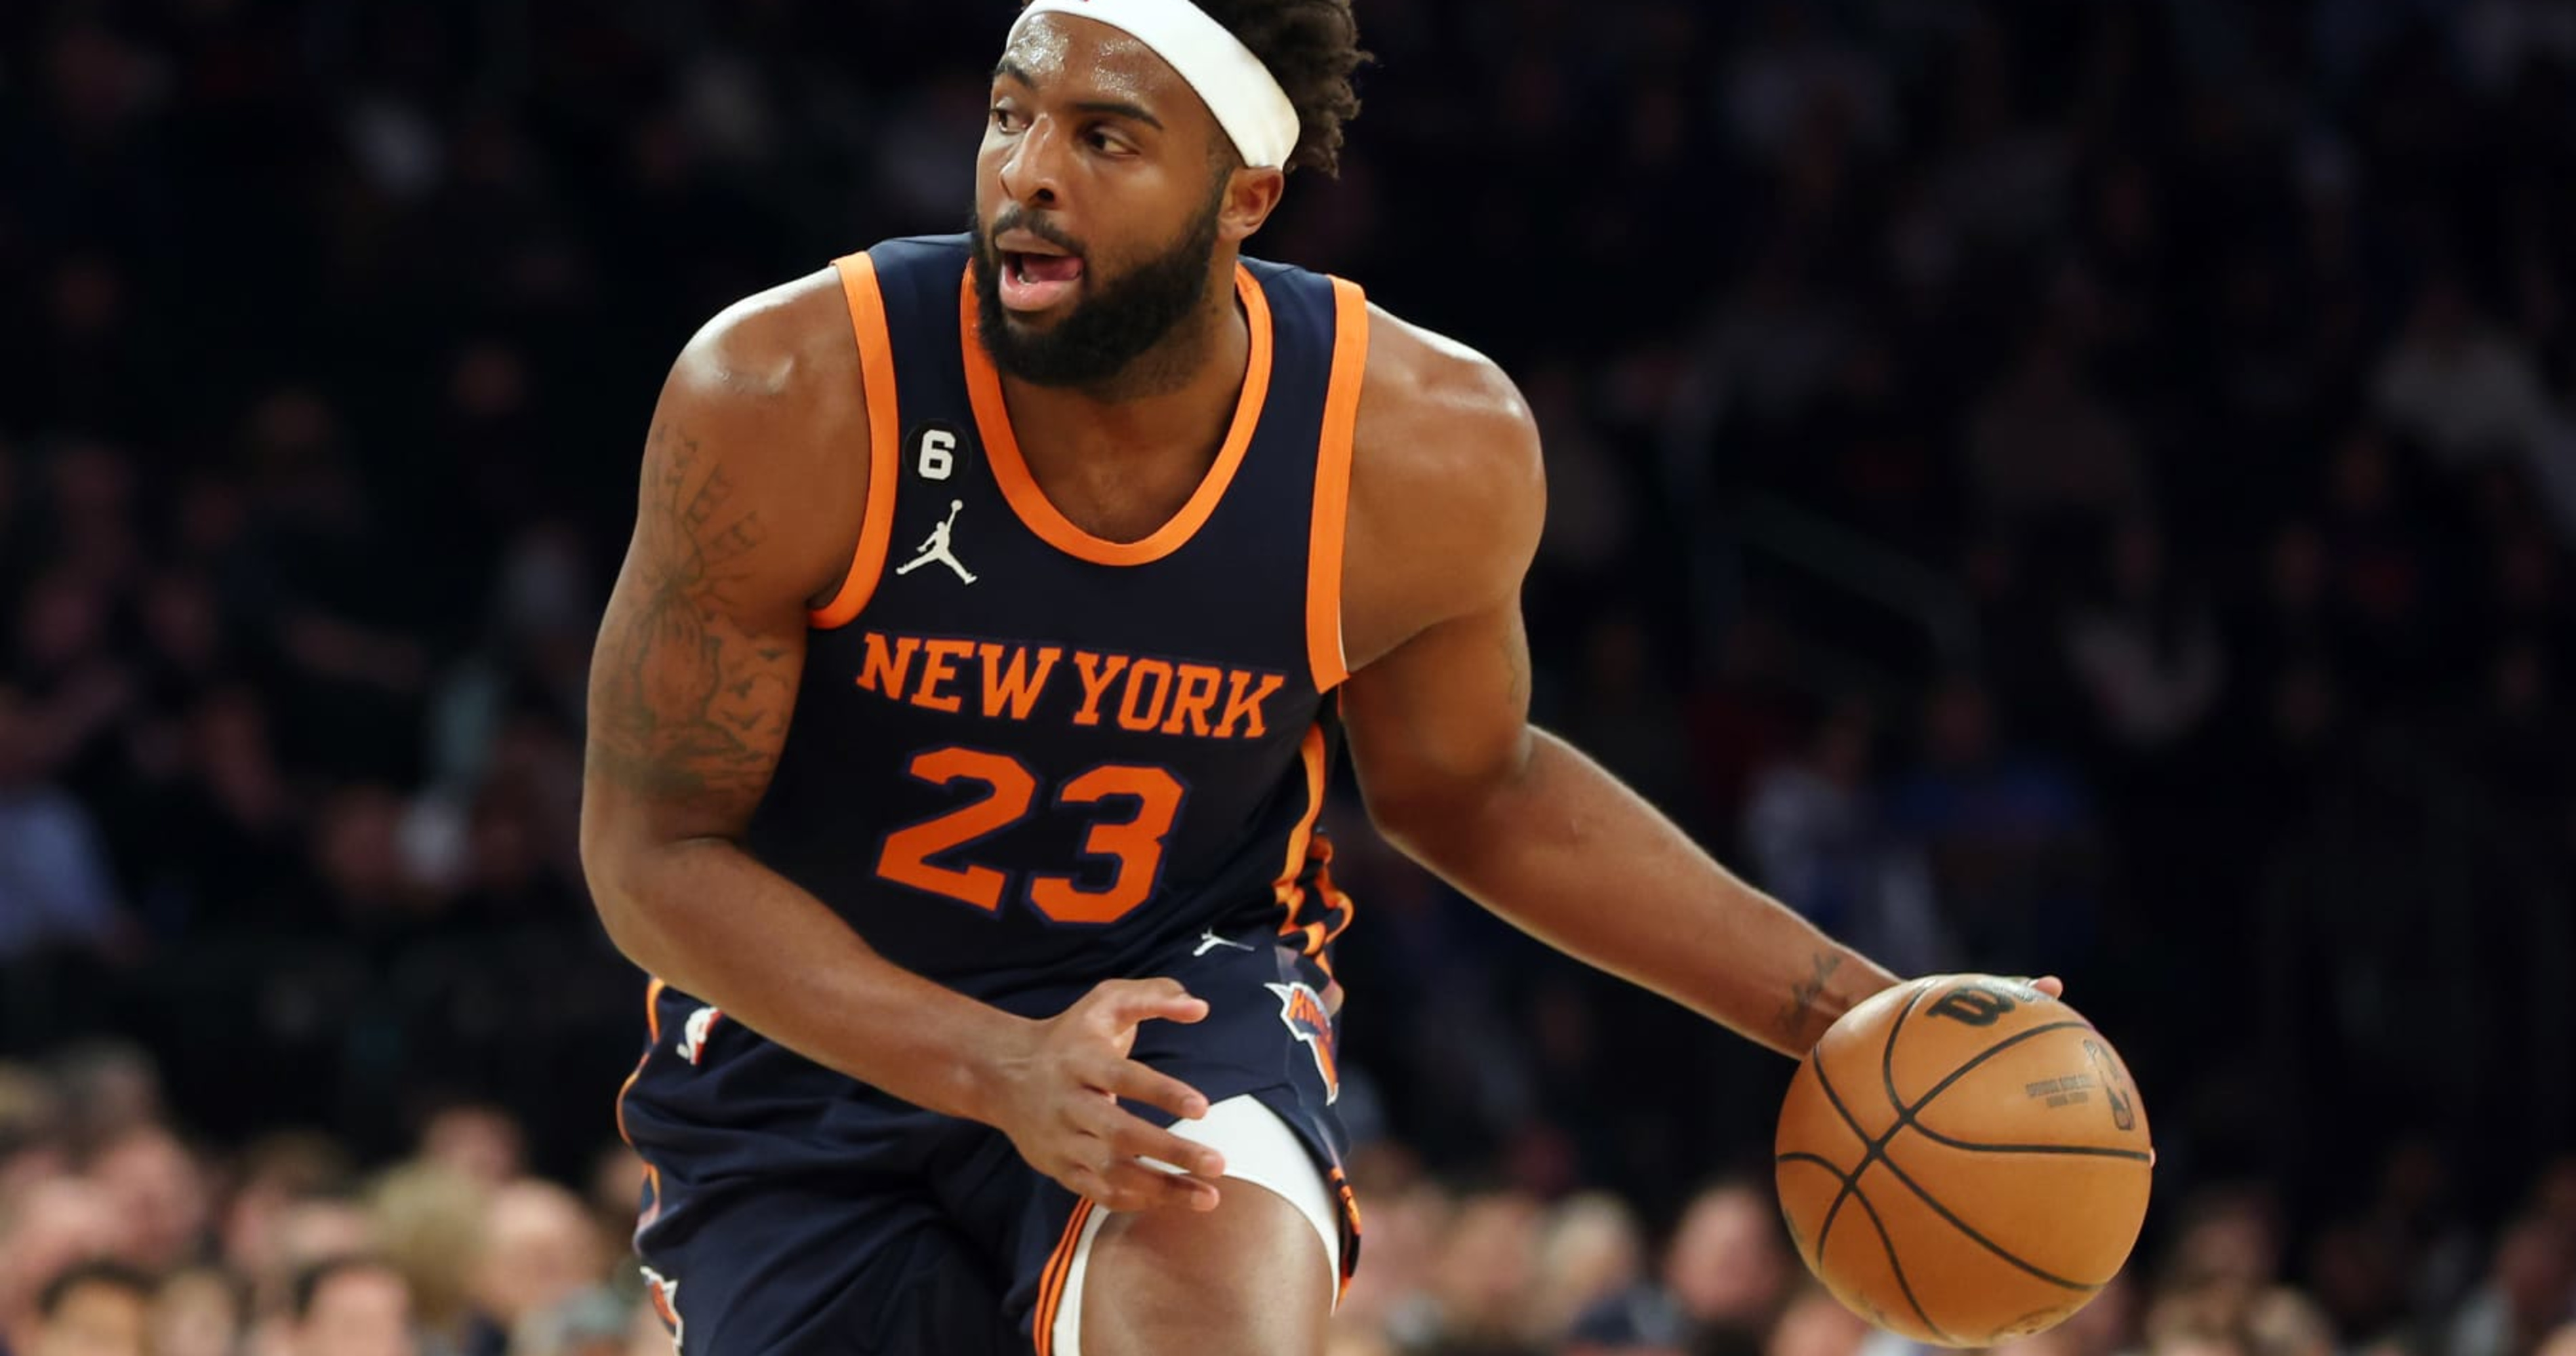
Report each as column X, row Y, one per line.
column 1127, row 1185
column 1132, row 1138
column 1138, row 1083
column 1125, row 1002
column 2047, row 984
column 1101, row 1149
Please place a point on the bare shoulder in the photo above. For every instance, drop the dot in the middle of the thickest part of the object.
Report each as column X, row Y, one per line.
column 1438, row 416
column 1447, row 487
column 781, row 361
column 764, row 409
column 771, row 343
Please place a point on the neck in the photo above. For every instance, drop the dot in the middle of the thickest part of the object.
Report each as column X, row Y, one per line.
column 1182, row 391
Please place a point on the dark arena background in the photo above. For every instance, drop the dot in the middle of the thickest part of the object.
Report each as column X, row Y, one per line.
column 2041, row 487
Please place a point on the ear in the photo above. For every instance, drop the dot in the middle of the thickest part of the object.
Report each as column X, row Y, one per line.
column 1251, row 195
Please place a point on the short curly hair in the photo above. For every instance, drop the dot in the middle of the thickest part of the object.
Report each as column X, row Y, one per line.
column 1312, row 47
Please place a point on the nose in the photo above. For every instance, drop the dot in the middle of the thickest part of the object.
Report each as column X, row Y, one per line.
column 1032, row 174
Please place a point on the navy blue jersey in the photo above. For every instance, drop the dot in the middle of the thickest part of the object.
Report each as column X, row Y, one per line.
column 1023, row 760
column 1024, row 756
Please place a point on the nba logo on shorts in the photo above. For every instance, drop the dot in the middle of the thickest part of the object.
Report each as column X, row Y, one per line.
column 1303, row 1011
column 693, row 1035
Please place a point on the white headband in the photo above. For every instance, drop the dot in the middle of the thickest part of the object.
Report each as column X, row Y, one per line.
column 1237, row 88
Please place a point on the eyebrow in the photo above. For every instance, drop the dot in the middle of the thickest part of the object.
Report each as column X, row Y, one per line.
column 1120, row 108
column 1007, row 69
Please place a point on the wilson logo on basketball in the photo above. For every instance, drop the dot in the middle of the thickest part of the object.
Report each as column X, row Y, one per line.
column 1302, row 1009
column 1973, row 1004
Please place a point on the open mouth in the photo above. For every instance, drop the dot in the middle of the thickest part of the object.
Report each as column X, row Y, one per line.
column 1033, row 280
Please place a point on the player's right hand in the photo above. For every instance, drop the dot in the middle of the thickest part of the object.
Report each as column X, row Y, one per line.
column 1058, row 1101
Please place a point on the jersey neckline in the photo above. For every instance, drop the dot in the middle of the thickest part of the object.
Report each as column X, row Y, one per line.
column 1029, row 502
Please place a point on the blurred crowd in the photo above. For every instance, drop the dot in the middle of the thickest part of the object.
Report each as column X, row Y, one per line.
column 2040, row 487
column 121, row 1237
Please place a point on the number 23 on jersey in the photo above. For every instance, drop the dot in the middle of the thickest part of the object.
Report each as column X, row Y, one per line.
column 1133, row 844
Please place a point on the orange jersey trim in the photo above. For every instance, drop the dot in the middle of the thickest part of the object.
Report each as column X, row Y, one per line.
column 885, row 441
column 1334, row 902
column 1002, row 445
column 1051, row 1282
column 1349, row 1200
column 1306, row 842
column 653, row 1038
column 1333, row 487
column 652, row 1041
column 1286, row 890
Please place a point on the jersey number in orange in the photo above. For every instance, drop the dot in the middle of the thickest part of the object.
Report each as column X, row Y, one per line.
column 1135, row 844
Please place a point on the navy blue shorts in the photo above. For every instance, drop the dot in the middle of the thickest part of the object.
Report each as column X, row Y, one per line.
column 789, row 1209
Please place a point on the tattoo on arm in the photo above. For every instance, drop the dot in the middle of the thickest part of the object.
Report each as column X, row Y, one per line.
column 1800, row 1010
column 684, row 704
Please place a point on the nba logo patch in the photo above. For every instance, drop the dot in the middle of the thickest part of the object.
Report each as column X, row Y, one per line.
column 693, row 1034
column 1302, row 1010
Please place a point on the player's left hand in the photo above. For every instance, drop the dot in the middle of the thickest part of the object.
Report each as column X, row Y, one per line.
column 1060, row 1095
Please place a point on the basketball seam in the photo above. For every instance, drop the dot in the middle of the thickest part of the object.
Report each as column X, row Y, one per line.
column 1872, row 1147
column 1909, row 1112
column 2072, row 1150
column 1817, row 1252
column 1875, row 1147
column 1834, row 1211
column 1980, row 1239
column 1910, row 1115
column 1905, row 1116
column 1895, row 1267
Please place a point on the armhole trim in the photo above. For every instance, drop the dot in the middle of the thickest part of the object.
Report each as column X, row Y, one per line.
column 885, row 441
column 1324, row 652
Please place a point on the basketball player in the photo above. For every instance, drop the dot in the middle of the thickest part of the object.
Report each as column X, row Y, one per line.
column 992, row 926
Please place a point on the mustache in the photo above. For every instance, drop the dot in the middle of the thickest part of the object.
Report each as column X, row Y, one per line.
column 1016, row 218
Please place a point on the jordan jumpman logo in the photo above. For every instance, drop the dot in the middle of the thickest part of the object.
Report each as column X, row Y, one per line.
column 936, row 548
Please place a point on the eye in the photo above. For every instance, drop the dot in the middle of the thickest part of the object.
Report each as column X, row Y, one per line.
column 1102, row 139
column 1006, row 118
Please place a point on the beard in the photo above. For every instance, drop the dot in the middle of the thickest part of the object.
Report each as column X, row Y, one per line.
column 1118, row 321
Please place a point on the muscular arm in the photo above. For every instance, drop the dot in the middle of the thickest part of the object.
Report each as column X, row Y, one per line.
column 748, row 512
column 1447, row 478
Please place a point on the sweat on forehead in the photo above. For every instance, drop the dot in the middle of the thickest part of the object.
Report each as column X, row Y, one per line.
column 1045, row 54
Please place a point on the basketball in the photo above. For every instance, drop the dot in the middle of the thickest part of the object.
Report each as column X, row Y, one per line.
column 1963, row 1159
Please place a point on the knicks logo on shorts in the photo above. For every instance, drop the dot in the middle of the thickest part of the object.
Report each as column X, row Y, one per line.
column 665, row 1295
column 1302, row 1009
